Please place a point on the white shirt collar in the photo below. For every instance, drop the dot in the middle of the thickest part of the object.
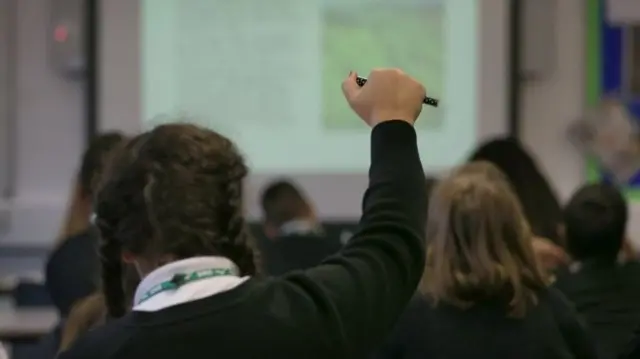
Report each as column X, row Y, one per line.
column 194, row 291
column 299, row 227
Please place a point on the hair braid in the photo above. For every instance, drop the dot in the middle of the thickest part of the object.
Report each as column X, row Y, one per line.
column 238, row 243
column 112, row 273
column 172, row 193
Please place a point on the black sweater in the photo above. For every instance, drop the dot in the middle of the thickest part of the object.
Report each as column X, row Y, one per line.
column 607, row 295
column 550, row 330
column 297, row 251
column 73, row 271
column 340, row 309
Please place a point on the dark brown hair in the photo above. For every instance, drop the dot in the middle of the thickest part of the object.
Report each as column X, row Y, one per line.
column 595, row 222
column 173, row 191
column 95, row 158
column 539, row 202
column 479, row 243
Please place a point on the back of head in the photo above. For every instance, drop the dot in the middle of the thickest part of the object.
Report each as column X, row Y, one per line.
column 595, row 220
column 282, row 202
column 479, row 243
column 539, row 203
column 94, row 159
column 172, row 193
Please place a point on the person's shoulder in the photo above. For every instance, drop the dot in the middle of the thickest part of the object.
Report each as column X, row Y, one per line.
column 310, row 242
column 631, row 349
column 420, row 303
column 309, row 237
column 565, row 278
column 553, row 296
column 577, row 277
column 102, row 341
column 83, row 245
column 632, row 267
column 418, row 313
column 562, row 309
column 293, row 292
column 84, row 238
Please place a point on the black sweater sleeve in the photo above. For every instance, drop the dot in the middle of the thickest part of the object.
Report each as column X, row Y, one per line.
column 367, row 286
column 573, row 330
column 632, row 349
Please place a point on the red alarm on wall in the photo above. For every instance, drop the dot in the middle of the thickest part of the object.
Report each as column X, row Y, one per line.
column 67, row 37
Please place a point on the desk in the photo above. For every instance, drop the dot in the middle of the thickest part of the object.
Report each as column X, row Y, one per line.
column 26, row 323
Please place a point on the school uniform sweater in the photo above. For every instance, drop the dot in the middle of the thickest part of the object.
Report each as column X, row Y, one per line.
column 73, row 271
column 341, row 308
column 607, row 295
column 550, row 330
column 297, row 251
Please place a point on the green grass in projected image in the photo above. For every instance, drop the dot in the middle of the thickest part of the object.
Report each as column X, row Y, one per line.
column 360, row 38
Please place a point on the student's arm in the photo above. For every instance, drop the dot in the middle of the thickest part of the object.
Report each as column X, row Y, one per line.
column 573, row 330
column 361, row 292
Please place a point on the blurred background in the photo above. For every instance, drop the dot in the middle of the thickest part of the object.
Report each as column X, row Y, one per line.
column 70, row 69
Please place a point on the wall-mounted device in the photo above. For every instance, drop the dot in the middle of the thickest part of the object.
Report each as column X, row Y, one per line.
column 538, row 44
column 66, row 36
column 623, row 12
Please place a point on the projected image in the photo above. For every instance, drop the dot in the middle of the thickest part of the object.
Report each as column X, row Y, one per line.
column 367, row 35
column 267, row 74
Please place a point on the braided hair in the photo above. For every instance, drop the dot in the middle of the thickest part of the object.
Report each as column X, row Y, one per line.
column 176, row 192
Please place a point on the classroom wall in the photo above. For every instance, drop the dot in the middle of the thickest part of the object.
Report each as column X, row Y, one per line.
column 50, row 119
column 49, row 130
column 550, row 104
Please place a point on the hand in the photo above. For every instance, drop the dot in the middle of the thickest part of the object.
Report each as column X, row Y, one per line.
column 389, row 94
column 549, row 255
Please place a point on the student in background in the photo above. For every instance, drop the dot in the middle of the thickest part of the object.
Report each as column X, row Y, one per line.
column 91, row 312
column 171, row 205
column 86, row 314
column 605, row 291
column 539, row 202
column 295, row 238
column 482, row 294
column 72, row 270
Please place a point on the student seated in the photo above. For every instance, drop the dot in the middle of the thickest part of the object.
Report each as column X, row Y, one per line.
column 540, row 204
column 73, row 268
column 171, row 205
column 482, row 295
column 91, row 312
column 294, row 238
column 605, row 292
